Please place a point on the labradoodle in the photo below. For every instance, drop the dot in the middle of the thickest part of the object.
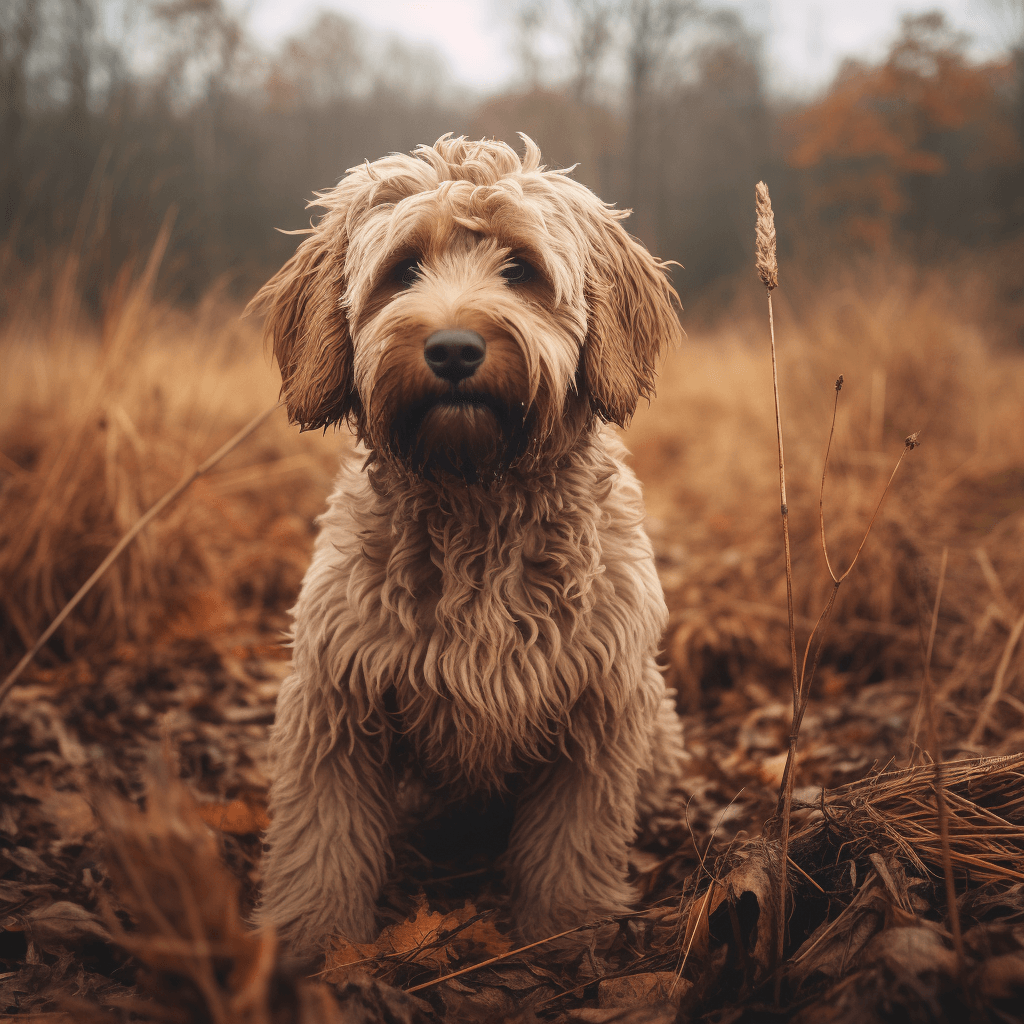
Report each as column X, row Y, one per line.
column 482, row 611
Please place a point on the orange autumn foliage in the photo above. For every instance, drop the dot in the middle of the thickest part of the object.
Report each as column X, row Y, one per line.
column 429, row 938
column 867, row 145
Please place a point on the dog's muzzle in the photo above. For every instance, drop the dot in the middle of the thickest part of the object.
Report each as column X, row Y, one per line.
column 454, row 355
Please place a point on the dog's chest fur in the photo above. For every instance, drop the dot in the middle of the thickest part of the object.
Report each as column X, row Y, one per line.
column 467, row 625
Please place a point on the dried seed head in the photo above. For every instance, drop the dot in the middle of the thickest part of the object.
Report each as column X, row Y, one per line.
column 912, row 441
column 839, row 383
column 766, row 262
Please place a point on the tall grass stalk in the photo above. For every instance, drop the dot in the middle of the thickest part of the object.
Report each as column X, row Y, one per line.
column 768, row 270
column 766, row 263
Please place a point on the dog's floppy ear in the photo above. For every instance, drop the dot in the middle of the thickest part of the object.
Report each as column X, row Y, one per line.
column 632, row 316
column 308, row 328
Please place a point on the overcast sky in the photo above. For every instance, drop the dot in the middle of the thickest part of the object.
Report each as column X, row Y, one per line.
column 805, row 39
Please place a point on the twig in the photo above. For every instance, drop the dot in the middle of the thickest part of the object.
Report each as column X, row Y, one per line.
column 135, row 530
column 806, row 679
column 941, row 810
column 997, row 683
column 824, row 469
column 807, row 876
column 766, row 263
column 493, row 960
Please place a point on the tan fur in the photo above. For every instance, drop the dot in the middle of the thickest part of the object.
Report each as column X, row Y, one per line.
column 482, row 605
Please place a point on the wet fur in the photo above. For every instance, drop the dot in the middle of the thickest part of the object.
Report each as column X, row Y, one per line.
column 482, row 606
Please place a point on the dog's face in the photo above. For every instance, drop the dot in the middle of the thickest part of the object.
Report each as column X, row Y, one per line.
column 467, row 309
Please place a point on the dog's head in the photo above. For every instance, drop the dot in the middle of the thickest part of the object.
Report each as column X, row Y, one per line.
column 467, row 309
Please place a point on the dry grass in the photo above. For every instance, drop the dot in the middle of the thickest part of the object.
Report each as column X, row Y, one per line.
column 98, row 421
column 895, row 810
column 914, row 359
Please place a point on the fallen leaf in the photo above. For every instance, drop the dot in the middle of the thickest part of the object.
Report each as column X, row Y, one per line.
column 481, row 932
column 752, row 876
column 651, row 989
column 695, row 938
column 64, row 925
column 423, row 939
column 1001, row 977
column 915, row 950
column 68, row 811
column 237, row 817
column 621, row 1015
column 364, row 1000
column 26, row 859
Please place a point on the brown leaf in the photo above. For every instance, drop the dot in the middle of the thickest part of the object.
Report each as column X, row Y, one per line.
column 695, row 937
column 917, row 950
column 423, row 939
column 482, row 933
column 68, row 811
column 752, row 876
column 622, row 1015
column 236, row 817
column 894, row 879
column 364, row 1000
column 1001, row 977
column 26, row 859
column 835, row 944
column 413, row 935
column 64, row 925
column 653, row 989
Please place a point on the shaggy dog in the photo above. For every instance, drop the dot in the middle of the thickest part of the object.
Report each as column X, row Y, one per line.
column 482, row 611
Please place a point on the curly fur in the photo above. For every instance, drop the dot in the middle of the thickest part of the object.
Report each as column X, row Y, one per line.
column 482, row 608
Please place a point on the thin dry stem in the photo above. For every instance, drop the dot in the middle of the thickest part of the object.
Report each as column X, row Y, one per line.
column 784, row 508
column 766, row 263
column 874, row 515
column 487, row 963
column 824, row 469
column 805, row 679
column 938, row 784
column 802, row 682
column 767, row 268
column 997, row 683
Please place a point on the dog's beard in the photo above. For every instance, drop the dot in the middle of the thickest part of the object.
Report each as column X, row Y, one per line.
column 470, row 435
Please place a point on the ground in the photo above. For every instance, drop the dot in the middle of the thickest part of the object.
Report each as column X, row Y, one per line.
column 158, row 692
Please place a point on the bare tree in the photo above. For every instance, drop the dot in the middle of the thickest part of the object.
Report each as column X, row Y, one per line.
column 19, row 25
column 591, row 35
column 1010, row 22
column 529, row 20
column 324, row 64
column 79, row 21
column 654, row 26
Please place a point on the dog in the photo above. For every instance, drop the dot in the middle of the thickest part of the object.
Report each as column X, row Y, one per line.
column 482, row 611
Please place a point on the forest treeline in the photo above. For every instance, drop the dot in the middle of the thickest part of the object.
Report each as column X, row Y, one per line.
column 117, row 117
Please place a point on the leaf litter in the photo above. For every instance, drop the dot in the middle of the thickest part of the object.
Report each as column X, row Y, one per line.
column 133, row 766
column 129, row 849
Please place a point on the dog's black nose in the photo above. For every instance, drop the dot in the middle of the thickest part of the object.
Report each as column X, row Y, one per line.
column 454, row 355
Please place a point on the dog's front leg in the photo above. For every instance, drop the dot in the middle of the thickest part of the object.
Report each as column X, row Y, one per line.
column 567, row 854
column 332, row 815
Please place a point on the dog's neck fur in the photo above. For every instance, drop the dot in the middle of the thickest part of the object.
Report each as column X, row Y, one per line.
column 487, row 598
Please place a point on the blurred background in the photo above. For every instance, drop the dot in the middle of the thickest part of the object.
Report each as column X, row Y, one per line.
column 150, row 148
column 875, row 130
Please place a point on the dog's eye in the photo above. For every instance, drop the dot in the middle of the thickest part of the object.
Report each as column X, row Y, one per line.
column 407, row 273
column 517, row 272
